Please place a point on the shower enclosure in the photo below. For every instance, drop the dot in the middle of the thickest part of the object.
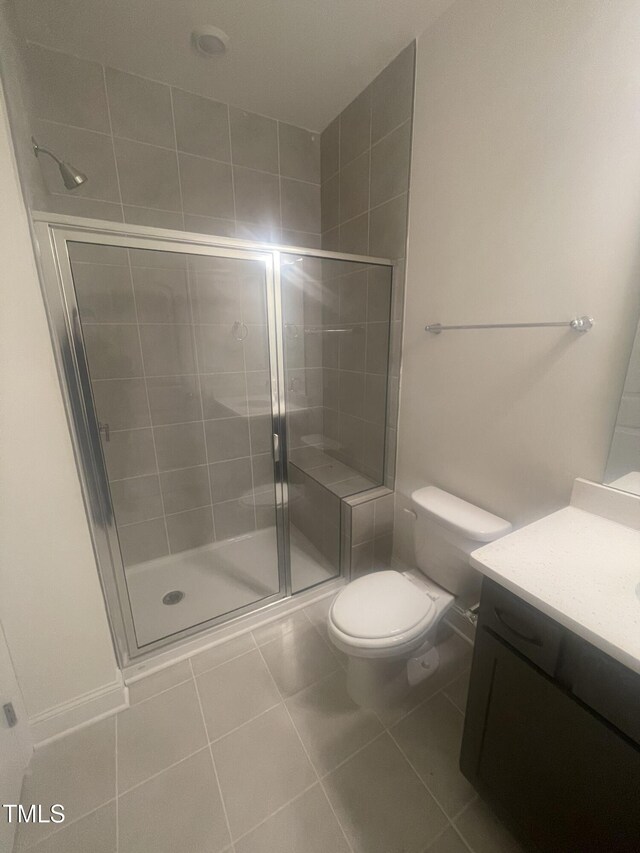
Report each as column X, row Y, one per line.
column 224, row 397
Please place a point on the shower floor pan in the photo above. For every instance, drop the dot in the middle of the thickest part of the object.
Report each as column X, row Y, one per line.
column 216, row 579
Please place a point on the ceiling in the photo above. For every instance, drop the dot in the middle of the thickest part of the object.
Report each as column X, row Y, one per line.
column 300, row 61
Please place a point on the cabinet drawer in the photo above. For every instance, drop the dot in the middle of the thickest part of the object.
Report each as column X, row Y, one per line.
column 532, row 633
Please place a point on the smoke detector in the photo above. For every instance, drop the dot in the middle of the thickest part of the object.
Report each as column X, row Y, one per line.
column 209, row 41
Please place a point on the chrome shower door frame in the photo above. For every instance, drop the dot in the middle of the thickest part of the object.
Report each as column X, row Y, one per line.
column 57, row 280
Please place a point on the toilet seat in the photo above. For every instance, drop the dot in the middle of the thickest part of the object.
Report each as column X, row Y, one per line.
column 381, row 614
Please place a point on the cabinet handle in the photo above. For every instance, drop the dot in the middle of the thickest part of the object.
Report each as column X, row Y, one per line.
column 500, row 616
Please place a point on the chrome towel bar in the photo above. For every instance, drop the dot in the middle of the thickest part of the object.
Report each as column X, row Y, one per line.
column 578, row 324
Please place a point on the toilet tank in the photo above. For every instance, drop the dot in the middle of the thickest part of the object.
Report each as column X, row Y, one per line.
column 446, row 530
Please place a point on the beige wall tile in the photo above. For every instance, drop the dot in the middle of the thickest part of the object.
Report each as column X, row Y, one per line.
column 173, row 399
column 227, row 438
column 299, row 153
column 218, row 351
column 230, row 479
column 66, row 89
column 392, row 94
column 355, row 128
column 104, row 293
column 162, row 296
column 153, row 218
column 148, row 175
column 354, row 187
column 220, row 391
column 207, row 188
column 74, row 206
column 190, row 529
column 390, row 160
column 388, row 234
column 186, row 488
column 254, row 140
column 140, row 109
column 121, row 403
column 257, row 196
column 136, row 499
column 202, row 125
column 113, row 351
column 167, row 349
column 129, row 453
column 234, row 518
column 354, row 235
column 300, row 205
column 330, row 203
column 330, row 150
column 179, row 445
column 142, row 542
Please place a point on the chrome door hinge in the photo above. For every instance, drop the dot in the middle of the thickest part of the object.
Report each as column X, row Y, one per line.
column 105, row 430
column 276, row 447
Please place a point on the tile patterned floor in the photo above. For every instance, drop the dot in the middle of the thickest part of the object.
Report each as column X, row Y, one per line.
column 255, row 747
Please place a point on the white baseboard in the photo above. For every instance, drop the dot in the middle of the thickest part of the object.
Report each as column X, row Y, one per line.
column 79, row 712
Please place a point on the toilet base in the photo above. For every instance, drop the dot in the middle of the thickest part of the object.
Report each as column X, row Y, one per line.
column 378, row 683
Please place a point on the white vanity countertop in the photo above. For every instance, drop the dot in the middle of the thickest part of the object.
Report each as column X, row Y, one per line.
column 580, row 569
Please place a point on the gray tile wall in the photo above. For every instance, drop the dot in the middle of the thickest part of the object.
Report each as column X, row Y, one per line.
column 365, row 163
column 189, row 452
column 369, row 532
column 159, row 156
column 336, row 382
column 355, row 363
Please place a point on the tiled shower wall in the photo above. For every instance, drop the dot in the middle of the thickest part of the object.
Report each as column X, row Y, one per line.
column 159, row 156
column 188, row 452
column 355, row 361
column 163, row 157
column 365, row 160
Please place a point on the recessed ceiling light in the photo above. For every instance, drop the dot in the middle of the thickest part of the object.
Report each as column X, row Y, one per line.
column 209, row 41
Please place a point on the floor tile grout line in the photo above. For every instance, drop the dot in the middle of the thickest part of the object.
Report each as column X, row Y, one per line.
column 246, row 722
column 460, row 834
column 423, row 702
column 23, row 847
column 420, row 779
column 164, row 770
column 160, row 692
column 311, row 764
column 213, row 762
column 277, row 811
column 353, row 754
column 438, row 837
column 222, row 663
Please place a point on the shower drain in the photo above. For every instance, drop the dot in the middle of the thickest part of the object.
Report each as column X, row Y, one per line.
column 173, row 597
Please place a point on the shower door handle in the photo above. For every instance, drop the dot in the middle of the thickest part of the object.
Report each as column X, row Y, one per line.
column 276, row 447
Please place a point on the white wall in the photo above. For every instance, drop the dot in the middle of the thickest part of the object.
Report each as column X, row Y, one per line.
column 525, row 205
column 51, row 604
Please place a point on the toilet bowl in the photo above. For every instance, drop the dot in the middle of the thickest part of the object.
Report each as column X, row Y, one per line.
column 386, row 622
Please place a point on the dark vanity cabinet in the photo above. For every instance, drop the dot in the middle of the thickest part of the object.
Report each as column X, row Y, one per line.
column 552, row 732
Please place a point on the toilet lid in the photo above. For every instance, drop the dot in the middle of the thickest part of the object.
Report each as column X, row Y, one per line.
column 383, row 604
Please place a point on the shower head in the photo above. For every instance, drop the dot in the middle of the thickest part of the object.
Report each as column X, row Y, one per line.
column 71, row 177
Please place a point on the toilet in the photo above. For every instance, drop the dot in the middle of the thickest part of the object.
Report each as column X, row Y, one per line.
column 386, row 622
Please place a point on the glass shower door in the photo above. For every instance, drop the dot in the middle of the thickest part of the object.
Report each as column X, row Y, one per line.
column 180, row 361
